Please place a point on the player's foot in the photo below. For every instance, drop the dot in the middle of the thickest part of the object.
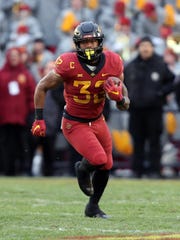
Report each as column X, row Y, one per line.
column 84, row 180
column 93, row 211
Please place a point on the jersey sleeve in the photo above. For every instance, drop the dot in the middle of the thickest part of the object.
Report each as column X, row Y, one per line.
column 63, row 65
column 115, row 63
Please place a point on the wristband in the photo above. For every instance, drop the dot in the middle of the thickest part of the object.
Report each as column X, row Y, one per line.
column 39, row 113
column 122, row 102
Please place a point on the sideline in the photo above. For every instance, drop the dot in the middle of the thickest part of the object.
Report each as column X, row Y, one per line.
column 172, row 236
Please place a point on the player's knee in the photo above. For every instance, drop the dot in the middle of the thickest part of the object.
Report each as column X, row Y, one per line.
column 100, row 159
column 109, row 162
column 108, row 165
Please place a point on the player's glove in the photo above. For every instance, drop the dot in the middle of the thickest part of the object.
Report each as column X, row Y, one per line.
column 113, row 91
column 39, row 128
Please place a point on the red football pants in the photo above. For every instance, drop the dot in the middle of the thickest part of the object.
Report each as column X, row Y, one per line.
column 92, row 140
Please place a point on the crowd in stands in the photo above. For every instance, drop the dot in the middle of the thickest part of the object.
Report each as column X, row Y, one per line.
column 39, row 31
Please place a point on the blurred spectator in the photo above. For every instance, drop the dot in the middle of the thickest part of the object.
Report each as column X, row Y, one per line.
column 119, row 9
column 105, row 17
column 40, row 57
column 26, row 57
column 135, row 7
column 171, row 21
column 172, row 17
column 172, row 60
column 150, row 20
column 165, row 31
column 70, row 17
column 93, row 4
column 3, row 30
column 66, row 43
column 23, row 21
column 68, row 20
column 7, row 5
column 47, row 13
column 21, row 38
column 169, row 18
column 2, row 58
column 123, row 40
column 106, row 3
column 16, row 103
column 149, row 81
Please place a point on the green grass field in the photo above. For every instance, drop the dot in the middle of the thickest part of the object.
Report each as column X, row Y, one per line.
column 53, row 209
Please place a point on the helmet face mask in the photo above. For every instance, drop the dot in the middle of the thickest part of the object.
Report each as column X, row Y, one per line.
column 84, row 32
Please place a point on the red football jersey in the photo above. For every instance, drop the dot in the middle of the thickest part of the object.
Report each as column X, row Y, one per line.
column 83, row 88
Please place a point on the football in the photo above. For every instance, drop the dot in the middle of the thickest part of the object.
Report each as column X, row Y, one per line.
column 110, row 85
column 116, row 80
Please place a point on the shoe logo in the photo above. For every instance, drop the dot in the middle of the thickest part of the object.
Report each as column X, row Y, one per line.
column 104, row 74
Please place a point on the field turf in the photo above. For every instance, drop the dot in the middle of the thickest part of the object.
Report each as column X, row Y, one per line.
column 53, row 209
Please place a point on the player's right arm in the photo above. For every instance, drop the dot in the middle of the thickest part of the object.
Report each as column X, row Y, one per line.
column 49, row 81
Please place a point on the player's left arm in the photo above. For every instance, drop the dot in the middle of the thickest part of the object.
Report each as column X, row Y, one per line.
column 125, row 102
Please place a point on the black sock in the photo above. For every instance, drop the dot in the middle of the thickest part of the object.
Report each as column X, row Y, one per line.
column 99, row 180
column 86, row 166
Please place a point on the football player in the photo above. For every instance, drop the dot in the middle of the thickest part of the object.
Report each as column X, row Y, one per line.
column 84, row 74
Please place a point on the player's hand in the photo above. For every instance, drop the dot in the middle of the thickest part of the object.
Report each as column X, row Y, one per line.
column 124, row 104
column 113, row 90
column 39, row 128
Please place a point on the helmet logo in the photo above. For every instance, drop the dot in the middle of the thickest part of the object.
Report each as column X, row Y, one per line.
column 89, row 53
column 76, row 32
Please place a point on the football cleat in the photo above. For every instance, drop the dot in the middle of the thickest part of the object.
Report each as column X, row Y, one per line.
column 93, row 211
column 84, row 178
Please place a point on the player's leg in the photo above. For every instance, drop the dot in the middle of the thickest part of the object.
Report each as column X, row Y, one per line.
column 84, row 171
column 95, row 144
column 86, row 139
column 99, row 181
column 101, row 175
column 83, row 138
